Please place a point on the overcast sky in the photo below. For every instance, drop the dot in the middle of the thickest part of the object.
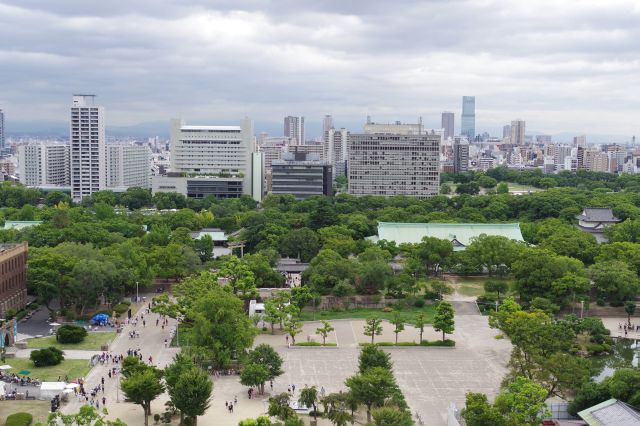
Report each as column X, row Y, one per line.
column 561, row 65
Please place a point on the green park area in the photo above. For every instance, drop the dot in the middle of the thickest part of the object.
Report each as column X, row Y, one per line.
column 72, row 368
column 92, row 342
column 408, row 314
column 38, row 409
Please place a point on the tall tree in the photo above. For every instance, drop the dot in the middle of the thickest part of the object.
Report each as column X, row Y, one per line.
column 391, row 416
column 398, row 324
column 191, row 394
column 324, row 331
column 373, row 327
column 630, row 309
column 255, row 375
column 266, row 356
column 372, row 387
column 142, row 388
column 444, row 319
column 309, row 398
column 372, row 356
column 420, row 322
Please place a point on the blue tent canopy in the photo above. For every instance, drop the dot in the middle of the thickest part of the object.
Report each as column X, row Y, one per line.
column 100, row 319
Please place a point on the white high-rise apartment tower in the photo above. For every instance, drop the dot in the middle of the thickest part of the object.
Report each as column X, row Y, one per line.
column 335, row 150
column 1, row 132
column 128, row 166
column 517, row 132
column 327, row 123
column 294, row 128
column 88, row 152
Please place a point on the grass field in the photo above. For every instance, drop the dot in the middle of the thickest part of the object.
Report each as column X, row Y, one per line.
column 93, row 341
column 69, row 367
column 408, row 314
column 472, row 286
column 518, row 187
column 38, row 409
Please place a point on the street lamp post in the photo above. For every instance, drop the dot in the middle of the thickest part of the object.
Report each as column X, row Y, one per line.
column 581, row 308
column 137, row 297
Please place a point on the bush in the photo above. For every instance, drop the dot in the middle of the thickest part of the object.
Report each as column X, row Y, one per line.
column 314, row 344
column 600, row 301
column 598, row 349
column 387, row 309
column 10, row 313
column 70, row 334
column 46, row 357
column 19, row 419
column 446, row 342
column 343, row 288
column 121, row 308
column 419, row 303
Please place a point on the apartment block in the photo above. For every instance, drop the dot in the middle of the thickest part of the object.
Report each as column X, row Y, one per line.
column 128, row 166
column 88, row 151
column 44, row 164
column 13, row 277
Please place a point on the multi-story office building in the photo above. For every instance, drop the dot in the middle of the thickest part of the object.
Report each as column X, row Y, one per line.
column 309, row 148
column 2, row 140
column 468, row 119
column 327, row 123
column 544, row 139
column 580, row 141
column 460, row 155
column 43, row 164
column 506, row 131
column 7, row 168
column 390, row 164
column 335, row 150
column 301, row 175
column 294, row 128
column 213, row 160
column 596, row 161
column 517, row 132
column 13, row 277
column 88, row 152
column 448, row 124
column 128, row 166
column 272, row 151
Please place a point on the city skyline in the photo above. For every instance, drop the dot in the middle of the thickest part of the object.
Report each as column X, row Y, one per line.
column 236, row 59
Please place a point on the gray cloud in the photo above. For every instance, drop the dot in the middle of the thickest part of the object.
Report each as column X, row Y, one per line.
column 561, row 65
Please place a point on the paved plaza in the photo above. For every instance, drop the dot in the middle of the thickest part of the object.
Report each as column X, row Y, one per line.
column 430, row 378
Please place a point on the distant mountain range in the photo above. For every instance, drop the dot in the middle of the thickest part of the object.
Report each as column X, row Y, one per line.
column 161, row 129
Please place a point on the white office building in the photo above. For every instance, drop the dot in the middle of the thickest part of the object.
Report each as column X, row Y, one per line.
column 88, row 151
column 334, row 150
column 213, row 160
column 402, row 163
column 44, row 164
column 128, row 166
column 294, row 128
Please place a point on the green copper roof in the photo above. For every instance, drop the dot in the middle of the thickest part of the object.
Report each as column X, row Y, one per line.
column 458, row 233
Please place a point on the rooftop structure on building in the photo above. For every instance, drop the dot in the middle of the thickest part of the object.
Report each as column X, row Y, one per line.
column 460, row 234
column 611, row 413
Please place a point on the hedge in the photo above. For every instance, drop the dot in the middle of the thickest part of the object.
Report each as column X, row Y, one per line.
column 121, row 308
column 46, row 357
column 70, row 334
column 19, row 419
column 446, row 343
column 314, row 344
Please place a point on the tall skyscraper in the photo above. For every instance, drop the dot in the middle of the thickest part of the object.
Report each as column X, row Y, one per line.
column 390, row 164
column 88, row 152
column 44, row 164
column 1, row 132
column 448, row 124
column 327, row 123
column 517, row 132
column 506, row 131
column 468, row 121
column 294, row 128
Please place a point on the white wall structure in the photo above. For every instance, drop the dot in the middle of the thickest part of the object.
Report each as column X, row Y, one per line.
column 294, row 128
column 44, row 164
column 88, row 152
column 335, row 146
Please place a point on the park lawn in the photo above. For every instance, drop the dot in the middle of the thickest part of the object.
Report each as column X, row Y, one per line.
column 471, row 290
column 93, row 341
column 407, row 313
column 73, row 368
column 518, row 187
column 38, row 409
column 474, row 286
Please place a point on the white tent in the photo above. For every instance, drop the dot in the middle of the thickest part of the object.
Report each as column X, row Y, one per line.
column 1, row 388
column 50, row 389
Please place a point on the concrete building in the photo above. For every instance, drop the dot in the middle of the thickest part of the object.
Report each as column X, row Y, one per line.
column 596, row 161
column 294, row 128
column 390, row 164
column 44, row 164
column 517, row 132
column 506, row 131
column 544, row 139
column 302, row 176
column 213, row 160
column 87, row 159
column 309, row 148
column 460, row 155
column 2, row 137
column 468, row 120
column 128, row 166
column 13, row 277
column 335, row 148
column 327, row 123
column 448, row 124
column 7, row 167
column 580, row 141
